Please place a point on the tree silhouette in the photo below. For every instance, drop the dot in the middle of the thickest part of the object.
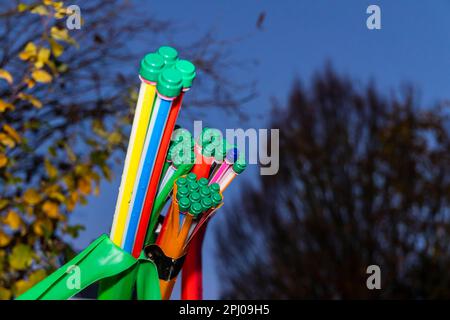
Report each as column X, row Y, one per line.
column 363, row 180
column 67, row 100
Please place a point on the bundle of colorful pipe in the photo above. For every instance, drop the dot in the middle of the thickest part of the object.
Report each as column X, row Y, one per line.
column 164, row 166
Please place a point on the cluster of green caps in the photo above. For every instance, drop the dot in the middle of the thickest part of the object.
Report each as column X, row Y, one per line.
column 185, row 155
column 196, row 196
column 170, row 73
column 213, row 144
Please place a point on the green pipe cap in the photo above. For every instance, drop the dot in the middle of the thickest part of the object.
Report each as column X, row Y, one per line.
column 195, row 197
column 169, row 55
column 239, row 166
column 206, row 203
column 151, row 66
column 191, row 176
column 193, row 186
column 184, row 204
column 182, row 192
column 205, row 192
column 216, row 199
column 182, row 182
column 215, row 187
column 203, row 182
column 195, row 209
column 187, row 70
column 208, row 151
column 169, row 83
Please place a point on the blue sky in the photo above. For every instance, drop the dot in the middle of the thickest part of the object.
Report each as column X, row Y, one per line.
column 296, row 40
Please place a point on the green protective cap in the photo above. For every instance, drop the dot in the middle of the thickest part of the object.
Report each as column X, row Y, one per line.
column 208, row 151
column 184, row 204
column 216, row 199
column 206, row 136
column 169, row 55
column 240, row 165
column 193, row 186
column 169, row 83
column 187, row 70
column 202, row 182
column 191, row 176
column 195, row 209
column 206, row 203
column 205, row 192
column 215, row 187
column 182, row 192
column 195, row 197
column 184, row 159
column 151, row 66
column 181, row 182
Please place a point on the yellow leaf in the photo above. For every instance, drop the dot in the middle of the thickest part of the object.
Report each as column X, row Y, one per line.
column 57, row 49
column 29, row 51
column 6, row 75
column 12, row 133
column 51, row 209
column 3, row 160
column 84, row 185
column 13, row 220
column 5, row 294
column 115, row 138
column 4, row 239
column 22, row 7
column 40, row 227
column 21, row 257
column 40, row 10
column 51, row 170
column 41, row 76
column 60, row 13
column 31, row 197
column 21, row 286
column 3, row 203
column 37, row 276
column 42, row 57
column 57, row 196
column 5, row 106
column 61, row 35
column 7, row 140
column 31, row 99
column 58, row 5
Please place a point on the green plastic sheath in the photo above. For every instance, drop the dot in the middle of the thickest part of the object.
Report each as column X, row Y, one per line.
column 147, row 282
column 118, row 287
column 101, row 259
column 161, row 200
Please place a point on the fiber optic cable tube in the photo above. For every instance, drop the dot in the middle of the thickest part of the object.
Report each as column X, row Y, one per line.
column 151, row 66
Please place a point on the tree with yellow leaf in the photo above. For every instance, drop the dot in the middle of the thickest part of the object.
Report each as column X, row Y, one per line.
column 66, row 103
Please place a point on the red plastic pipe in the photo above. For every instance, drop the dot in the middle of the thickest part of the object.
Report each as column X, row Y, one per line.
column 191, row 280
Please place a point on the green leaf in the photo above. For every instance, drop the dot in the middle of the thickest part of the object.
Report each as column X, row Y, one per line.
column 21, row 257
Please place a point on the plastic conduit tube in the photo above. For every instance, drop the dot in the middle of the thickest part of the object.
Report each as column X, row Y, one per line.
column 151, row 66
column 232, row 173
column 187, row 72
column 191, row 280
column 161, row 200
column 168, row 87
column 228, row 163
